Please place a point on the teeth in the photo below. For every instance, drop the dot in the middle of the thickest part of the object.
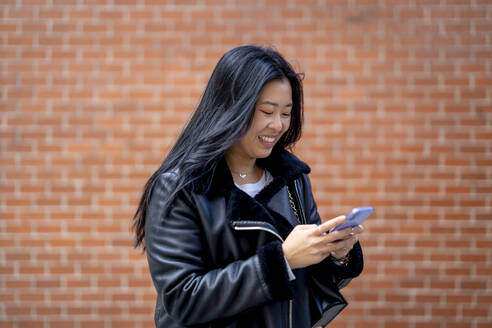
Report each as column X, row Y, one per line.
column 267, row 139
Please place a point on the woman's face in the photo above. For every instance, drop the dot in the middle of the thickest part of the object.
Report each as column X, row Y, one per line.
column 270, row 121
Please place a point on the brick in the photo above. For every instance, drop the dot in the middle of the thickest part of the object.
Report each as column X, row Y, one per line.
column 447, row 312
column 78, row 283
column 442, row 284
column 459, row 325
column 110, row 310
column 428, row 298
column 61, row 324
column 93, row 297
column 458, row 299
column 474, row 285
column 396, row 297
column 68, row 298
column 409, row 283
column 48, row 310
column 475, row 311
column 79, row 310
column 30, row 324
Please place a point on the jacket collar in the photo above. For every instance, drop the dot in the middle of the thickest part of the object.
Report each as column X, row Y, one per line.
column 282, row 165
column 269, row 203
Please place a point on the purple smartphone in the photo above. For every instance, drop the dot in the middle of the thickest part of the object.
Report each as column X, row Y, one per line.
column 355, row 217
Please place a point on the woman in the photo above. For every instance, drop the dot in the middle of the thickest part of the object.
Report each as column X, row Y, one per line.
column 229, row 223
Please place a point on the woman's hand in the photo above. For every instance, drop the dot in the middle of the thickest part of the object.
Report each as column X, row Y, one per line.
column 351, row 238
column 309, row 244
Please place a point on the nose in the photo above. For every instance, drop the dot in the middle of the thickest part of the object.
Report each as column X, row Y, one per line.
column 276, row 123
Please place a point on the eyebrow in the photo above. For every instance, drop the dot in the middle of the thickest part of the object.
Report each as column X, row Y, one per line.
column 273, row 103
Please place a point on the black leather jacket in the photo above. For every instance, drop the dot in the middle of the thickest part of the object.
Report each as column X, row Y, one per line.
column 216, row 259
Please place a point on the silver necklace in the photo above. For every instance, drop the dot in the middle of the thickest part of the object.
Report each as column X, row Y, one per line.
column 244, row 175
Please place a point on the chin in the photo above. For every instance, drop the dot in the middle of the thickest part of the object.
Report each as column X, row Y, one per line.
column 264, row 154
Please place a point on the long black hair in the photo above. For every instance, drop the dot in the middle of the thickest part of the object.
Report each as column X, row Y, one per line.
column 222, row 117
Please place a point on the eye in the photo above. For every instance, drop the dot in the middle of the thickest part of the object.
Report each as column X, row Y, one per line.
column 266, row 112
column 286, row 114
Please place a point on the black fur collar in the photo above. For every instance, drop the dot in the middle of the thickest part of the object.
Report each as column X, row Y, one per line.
column 281, row 164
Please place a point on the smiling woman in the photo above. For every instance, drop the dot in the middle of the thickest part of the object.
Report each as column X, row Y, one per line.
column 229, row 223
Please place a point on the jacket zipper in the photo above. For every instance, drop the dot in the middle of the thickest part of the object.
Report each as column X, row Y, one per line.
column 290, row 313
column 282, row 240
column 260, row 228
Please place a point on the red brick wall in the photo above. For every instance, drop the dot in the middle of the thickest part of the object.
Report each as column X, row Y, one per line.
column 398, row 116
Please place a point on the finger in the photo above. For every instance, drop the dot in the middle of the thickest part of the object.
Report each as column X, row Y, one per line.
column 330, row 224
column 344, row 245
column 336, row 236
column 357, row 230
column 306, row 226
column 335, row 250
column 349, row 243
column 348, row 232
column 340, row 235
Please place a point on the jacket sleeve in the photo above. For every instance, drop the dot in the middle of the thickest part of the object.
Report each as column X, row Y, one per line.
column 328, row 270
column 188, row 289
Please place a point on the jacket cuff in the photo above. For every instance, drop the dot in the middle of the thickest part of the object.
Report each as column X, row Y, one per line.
column 354, row 266
column 274, row 267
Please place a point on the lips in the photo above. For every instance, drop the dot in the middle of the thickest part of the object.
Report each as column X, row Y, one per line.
column 267, row 142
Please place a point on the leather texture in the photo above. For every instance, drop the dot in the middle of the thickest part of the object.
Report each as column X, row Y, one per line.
column 216, row 260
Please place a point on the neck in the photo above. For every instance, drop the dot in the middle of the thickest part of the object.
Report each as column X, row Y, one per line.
column 240, row 165
column 243, row 171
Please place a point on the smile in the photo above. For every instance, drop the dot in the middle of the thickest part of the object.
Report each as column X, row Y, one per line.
column 267, row 139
